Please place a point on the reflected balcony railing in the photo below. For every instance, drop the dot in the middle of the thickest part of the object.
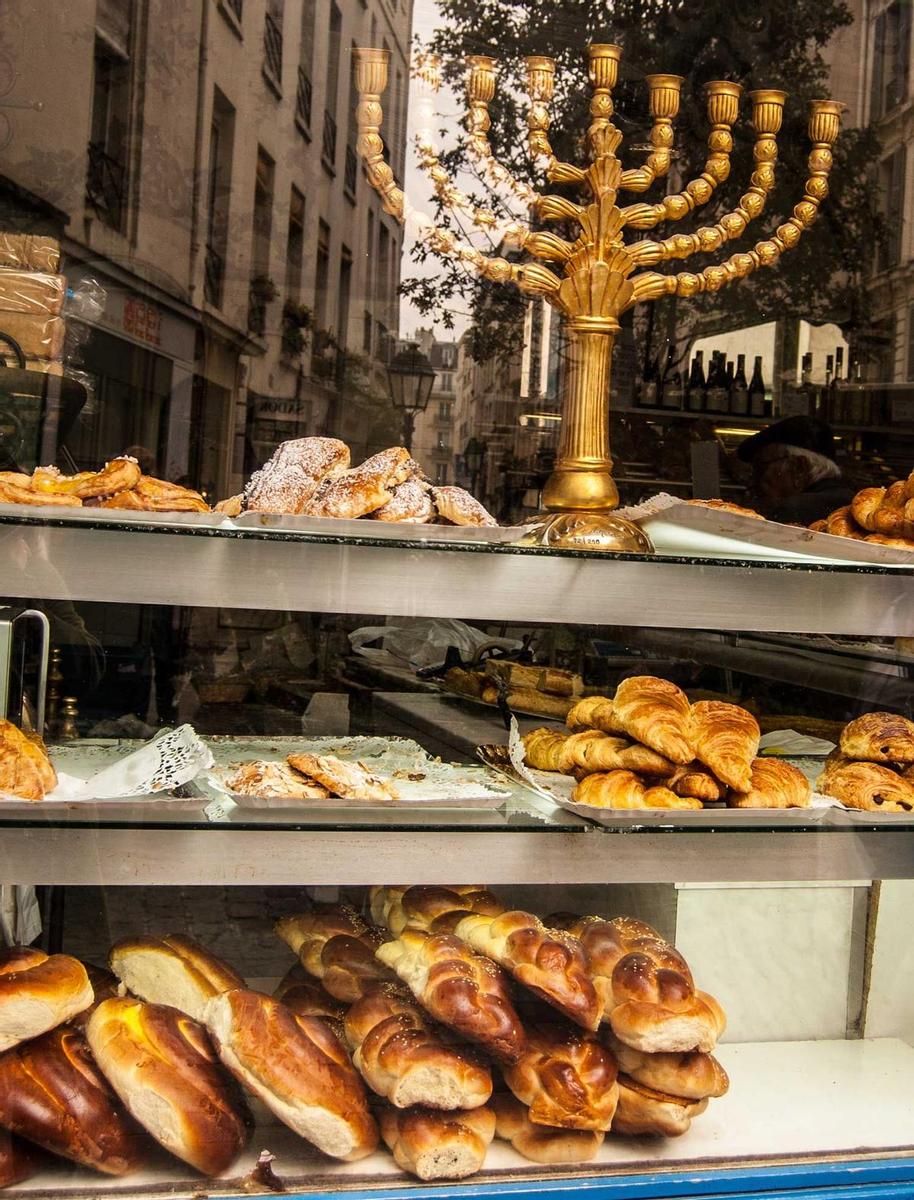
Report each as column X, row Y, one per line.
column 351, row 175
column 303, row 99
column 213, row 277
column 106, row 186
column 328, row 144
column 272, row 48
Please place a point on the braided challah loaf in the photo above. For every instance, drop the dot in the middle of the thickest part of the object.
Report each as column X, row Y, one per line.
column 434, row 909
column 337, row 947
column 691, row 1075
column 649, row 998
column 566, row 1078
column 465, row 991
column 438, row 1145
column 541, row 1143
column 405, row 1059
column 550, row 962
column 641, row 1110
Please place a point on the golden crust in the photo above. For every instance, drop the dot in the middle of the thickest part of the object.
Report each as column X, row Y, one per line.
column 657, row 713
column 349, row 780
column 25, row 769
column 726, row 739
column 774, row 784
column 623, row 789
column 879, row 737
column 566, row 1078
column 865, row 785
column 118, row 475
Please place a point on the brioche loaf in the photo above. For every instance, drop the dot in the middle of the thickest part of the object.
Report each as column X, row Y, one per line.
column 691, row 1075
column 462, row 990
column 161, row 1064
column 550, row 962
column 407, row 1060
column 436, row 1145
column 172, row 970
column 566, row 1078
column 38, row 993
column 306, row 997
column 297, row 1067
column 644, row 1111
column 437, row 909
column 52, row 1093
column 540, row 1143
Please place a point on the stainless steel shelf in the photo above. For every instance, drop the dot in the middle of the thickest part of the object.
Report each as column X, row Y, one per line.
column 259, row 570
column 225, row 856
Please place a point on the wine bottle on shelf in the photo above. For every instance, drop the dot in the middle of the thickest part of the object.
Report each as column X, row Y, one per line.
column 673, row 391
column 807, row 387
column 665, row 377
column 717, row 385
column 731, row 375
column 758, row 404
column 696, row 388
column 839, row 390
column 739, row 396
column 650, row 383
column 826, row 395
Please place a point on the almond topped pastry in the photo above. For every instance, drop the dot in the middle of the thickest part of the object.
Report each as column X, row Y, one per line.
column 349, row 780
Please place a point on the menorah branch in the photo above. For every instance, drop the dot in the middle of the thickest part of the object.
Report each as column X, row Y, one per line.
column 664, row 104
column 723, row 108
column 480, row 88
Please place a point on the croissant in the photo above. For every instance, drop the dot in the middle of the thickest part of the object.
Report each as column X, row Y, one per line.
column 774, row 784
column 623, row 789
column 726, row 739
column 655, row 712
column 819, row 526
column 462, row 990
column 550, row 962
column 593, row 712
column 879, row 737
column 896, row 543
column 882, row 510
column 697, row 782
column 405, row 1059
column 566, row 1078
column 590, row 750
column 841, row 523
column 866, row 786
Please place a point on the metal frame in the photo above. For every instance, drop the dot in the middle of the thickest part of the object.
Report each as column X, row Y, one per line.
column 268, row 570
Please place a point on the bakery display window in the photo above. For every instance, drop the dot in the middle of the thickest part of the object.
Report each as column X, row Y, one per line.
column 456, row 527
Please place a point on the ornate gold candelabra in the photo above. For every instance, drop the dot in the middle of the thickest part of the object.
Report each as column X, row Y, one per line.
column 602, row 275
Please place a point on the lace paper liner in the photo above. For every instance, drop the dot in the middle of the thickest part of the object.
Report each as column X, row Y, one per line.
column 174, row 757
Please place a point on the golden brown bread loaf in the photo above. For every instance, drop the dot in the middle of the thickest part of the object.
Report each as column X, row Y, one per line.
column 38, row 993
column 879, row 737
column 691, row 1075
column 105, row 985
column 541, row 1143
column 623, row 789
column 566, row 1078
column 434, row 908
column 306, row 997
column 549, row 962
column 594, row 712
column 774, row 784
column 297, row 1068
column 644, row 1111
column 435, row 1145
column 172, row 970
column 407, row 1060
column 726, row 739
column 288, row 481
column 649, row 997
column 161, row 1064
column 867, row 786
column 52, row 1093
column 18, row 1160
column 657, row 713
column 337, row 947
column 25, row 769
column 460, row 989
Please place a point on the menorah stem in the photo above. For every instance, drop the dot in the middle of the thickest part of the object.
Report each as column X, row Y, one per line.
column 582, row 479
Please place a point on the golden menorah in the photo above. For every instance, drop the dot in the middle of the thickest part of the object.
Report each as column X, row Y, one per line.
column 602, row 275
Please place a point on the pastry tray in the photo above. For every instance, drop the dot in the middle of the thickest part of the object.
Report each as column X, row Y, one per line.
column 114, row 516
column 340, row 527
column 691, row 530
column 443, row 785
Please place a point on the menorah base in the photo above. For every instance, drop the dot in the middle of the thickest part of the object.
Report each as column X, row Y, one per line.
column 588, row 531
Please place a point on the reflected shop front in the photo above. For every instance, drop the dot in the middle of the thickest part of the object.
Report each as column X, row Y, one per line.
column 456, row 625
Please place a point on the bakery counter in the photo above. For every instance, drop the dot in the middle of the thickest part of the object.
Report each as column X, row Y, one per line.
column 200, row 565
column 823, row 1122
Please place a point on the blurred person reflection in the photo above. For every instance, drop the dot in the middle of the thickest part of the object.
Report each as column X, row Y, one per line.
column 795, row 478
